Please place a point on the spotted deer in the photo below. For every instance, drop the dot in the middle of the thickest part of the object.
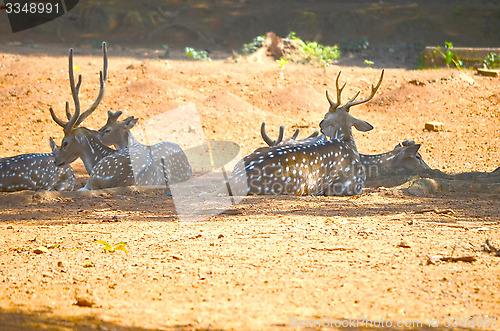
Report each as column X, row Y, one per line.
column 106, row 166
column 117, row 133
column 330, row 167
column 36, row 172
column 404, row 157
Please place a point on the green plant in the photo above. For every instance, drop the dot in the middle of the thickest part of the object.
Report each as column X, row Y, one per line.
column 492, row 61
column 369, row 63
column 312, row 51
column 281, row 62
column 199, row 55
column 448, row 56
column 121, row 246
column 254, row 45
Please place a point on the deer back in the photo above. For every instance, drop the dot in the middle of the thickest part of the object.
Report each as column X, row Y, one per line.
column 36, row 171
column 323, row 167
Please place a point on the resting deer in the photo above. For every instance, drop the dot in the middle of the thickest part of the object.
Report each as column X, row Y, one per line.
column 403, row 157
column 106, row 166
column 35, row 172
column 117, row 133
column 330, row 167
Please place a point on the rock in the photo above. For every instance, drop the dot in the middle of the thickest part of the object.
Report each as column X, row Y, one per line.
column 84, row 297
column 404, row 244
column 434, row 126
column 40, row 250
column 488, row 72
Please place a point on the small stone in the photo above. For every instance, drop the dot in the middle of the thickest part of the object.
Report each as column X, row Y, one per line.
column 220, row 236
column 84, row 301
column 434, row 126
column 404, row 244
column 177, row 257
column 40, row 250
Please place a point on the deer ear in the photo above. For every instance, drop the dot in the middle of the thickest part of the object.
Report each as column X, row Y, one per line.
column 130, row 122
column 362, row 125
column 411, row 150
column 53, row 145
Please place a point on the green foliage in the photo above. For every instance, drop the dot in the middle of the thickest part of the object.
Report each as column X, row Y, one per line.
column 121, row 246
column 369, row 63
column 254, row 45
column 448, row 56
column 281, row 62
column 198, row 55
column 492, row 61
column 312, row 51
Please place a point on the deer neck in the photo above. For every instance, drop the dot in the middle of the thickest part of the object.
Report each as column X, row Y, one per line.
column 131, row 141
column 345, row 136
column 93, row 150
column 378, row 159
column 126, row 139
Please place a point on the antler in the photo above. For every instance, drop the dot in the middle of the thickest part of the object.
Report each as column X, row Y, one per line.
column 339, row 92
column 76, row 119
column 266, row 138
column 103, row 77
column 314, row 134
column 351, row 102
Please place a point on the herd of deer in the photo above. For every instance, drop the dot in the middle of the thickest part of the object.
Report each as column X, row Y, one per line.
column 326, row 164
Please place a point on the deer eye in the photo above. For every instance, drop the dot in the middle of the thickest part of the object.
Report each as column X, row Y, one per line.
column 65, row 144
column 107, row 131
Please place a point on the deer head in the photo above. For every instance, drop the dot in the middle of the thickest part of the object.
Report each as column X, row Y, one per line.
column 117, row 132
column 338, row 122
column 74, row 136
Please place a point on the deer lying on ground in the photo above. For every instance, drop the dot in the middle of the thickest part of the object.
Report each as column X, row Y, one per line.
column 164, row 154
column 404, row 157
column 35, row 172
column 106, row 166
column 329, row 167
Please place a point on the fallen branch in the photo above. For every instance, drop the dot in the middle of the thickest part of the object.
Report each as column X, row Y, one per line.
column 434, row 259
column 488, row 247
column 436, row 211
column 332, row 249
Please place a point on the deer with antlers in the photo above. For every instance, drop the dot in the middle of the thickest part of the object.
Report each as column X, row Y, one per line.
column 107, row 167
column 330, row 167
column 36, row 172
column 404, row 157
column 117, row 133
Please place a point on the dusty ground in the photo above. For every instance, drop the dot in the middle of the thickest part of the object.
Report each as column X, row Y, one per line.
column 268, row 259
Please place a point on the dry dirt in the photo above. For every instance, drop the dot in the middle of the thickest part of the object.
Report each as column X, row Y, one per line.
column 268, row 259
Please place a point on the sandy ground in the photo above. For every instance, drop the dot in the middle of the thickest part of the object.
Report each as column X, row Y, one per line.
column 268, row 261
